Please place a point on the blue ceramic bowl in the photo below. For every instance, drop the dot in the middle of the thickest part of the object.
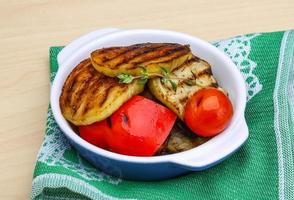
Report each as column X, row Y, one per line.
column 157, row 167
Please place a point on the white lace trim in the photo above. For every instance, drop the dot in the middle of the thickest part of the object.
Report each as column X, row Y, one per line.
column 238, row 49
column 52, row 153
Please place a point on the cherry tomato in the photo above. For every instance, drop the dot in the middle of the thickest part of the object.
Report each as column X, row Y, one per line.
column 138, row 128
column 208, row 112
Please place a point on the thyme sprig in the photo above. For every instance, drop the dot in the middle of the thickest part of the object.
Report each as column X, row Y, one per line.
column 125, row 78
column 144, row 77
column 165, row 77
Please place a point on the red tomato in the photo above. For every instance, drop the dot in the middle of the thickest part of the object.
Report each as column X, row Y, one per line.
column 208, row 112
column 138, row 128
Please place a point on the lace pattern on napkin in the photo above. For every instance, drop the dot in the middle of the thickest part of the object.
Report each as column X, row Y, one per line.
column 238, row 49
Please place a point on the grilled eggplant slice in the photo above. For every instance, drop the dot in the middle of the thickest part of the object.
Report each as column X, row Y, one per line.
column 180, row 139
column 192, row 76
column 89, row 96
column 129, row 60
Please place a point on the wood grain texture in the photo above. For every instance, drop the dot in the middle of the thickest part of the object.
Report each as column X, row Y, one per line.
column 28, row 28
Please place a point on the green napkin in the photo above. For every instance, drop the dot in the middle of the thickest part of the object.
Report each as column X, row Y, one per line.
column 262, row 169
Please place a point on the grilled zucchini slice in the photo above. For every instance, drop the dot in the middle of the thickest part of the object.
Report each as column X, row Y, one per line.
column 192, row 76
column 89, row 96
column 129, row 60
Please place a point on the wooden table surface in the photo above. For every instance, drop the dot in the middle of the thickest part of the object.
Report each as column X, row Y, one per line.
column 29, row 28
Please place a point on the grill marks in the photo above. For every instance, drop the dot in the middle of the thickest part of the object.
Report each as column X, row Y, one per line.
column 89, row 96
column 108, row 54
column 128, row 59
column 148, row 53
column 91, row 93
column 132, row 52
column 115, row 56
column 71, row 86
column 163, row 54
column 187, row 62
column 196, row 72
column 206, row 71
column 83, row 79
column 166, row 55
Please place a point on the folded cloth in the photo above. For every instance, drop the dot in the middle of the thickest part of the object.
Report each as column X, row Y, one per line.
column 262, row 169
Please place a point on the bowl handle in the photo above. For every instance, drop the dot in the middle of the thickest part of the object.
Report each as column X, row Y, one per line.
column 203, row 162
column 67, row 51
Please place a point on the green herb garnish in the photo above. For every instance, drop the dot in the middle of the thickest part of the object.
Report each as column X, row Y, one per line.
column 174, row 85
column 166, row 78
column 125, row 78
column 143, row 80
column 144, row 77
column 165, row 71
column 189, row 82
column 143, row 68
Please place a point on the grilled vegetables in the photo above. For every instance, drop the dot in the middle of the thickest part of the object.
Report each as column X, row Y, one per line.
column 129, row 60
column 193, row 75
column 89, row 96
column 100, row 97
